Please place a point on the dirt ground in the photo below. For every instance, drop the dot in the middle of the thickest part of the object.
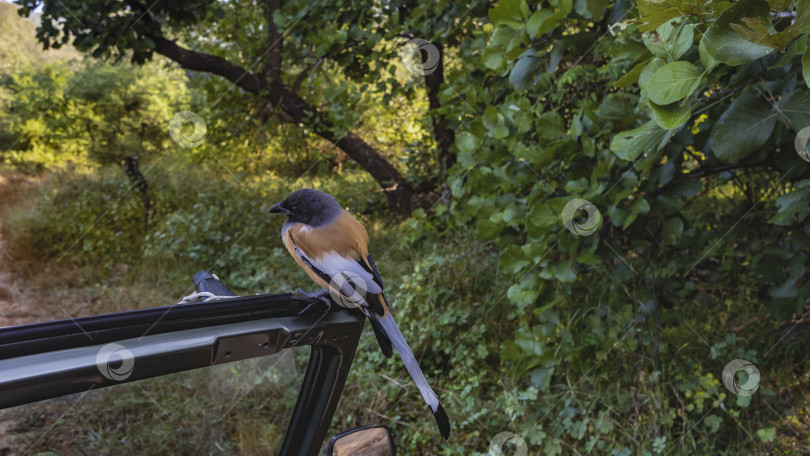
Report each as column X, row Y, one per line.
column 31, row 290
column 17, row 296
column 15, row 308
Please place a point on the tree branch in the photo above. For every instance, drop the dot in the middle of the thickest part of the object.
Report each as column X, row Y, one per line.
column 708, row 172
column 198, row 61
column 723, row 168
column 401, row 196
column 296, row 86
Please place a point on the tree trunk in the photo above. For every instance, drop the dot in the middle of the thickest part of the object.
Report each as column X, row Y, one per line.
column 133, row 172
column 444, row 136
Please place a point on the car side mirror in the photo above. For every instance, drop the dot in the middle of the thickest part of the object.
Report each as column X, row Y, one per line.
column 365, row 441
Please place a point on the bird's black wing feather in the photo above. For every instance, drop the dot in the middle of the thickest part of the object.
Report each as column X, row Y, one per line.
column 374, row 271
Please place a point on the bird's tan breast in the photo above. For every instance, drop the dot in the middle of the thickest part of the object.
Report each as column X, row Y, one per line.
column 345, row 236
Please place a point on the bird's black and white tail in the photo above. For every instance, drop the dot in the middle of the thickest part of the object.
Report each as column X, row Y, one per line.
column 379, row 332
column 389, row 326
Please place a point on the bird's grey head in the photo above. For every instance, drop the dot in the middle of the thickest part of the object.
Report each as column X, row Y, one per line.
column 308, row 206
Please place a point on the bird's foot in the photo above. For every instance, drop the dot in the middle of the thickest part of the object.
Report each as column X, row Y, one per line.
column 318, row 296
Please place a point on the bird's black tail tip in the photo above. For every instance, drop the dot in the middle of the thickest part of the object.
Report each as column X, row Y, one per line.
column 442, row 421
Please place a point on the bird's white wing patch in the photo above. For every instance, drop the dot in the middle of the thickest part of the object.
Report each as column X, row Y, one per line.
column 344, row 271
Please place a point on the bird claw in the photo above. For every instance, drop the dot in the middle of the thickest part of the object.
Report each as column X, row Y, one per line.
column 318, row 296
column 315, row 294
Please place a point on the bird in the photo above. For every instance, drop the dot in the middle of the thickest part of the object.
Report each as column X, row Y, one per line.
column 331, row 246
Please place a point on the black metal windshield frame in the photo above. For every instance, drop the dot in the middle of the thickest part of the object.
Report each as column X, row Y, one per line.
column 57, row 358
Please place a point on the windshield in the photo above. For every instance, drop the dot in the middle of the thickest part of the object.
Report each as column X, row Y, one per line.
column 239, row 408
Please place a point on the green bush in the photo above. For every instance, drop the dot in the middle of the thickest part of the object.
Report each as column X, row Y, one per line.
column 201, row 221
column 96, row 218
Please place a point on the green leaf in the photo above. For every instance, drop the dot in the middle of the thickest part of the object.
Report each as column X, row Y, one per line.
column 672, row 82
column 544, row 20
column 620, row 107
column 706, row 59
column 713, row 422
column 491, row 118
column 487, row 230
column 744, row 127
column 671, row 230
column 589, row 258
column 647, row 74
column 528, row 342
column 793, row 207
column 576, row 186
column 505, row 43
column 527, row 71
column 512, row 260
column 563, row 272
column 493, row 57
column 725, row 45
column 806, row 66
column 537, row 20
column 541, row 378
column 544, row 215
column 565, row 7
column 640, row 206
column 761, row 31
column 660, row 444
column 603, row 423
column 629, row 221
column 670, row 41
column 766, row 435
column 617, row 215
column 656, row 12
column 538, row 155
column 511, row 13
column 795, row 108
column 797, row 47
column 787, row 290
column 525, row 292
column 466, row 142
column 550, row 126
column 758, row 31
column 590, row 9
column 535, row 251
column 632, row 76
column 553, row 447
column 557, row 53
column 646, row 139
column 672, row 115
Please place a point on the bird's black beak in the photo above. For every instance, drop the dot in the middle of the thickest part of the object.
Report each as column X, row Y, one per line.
column 279, row 209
